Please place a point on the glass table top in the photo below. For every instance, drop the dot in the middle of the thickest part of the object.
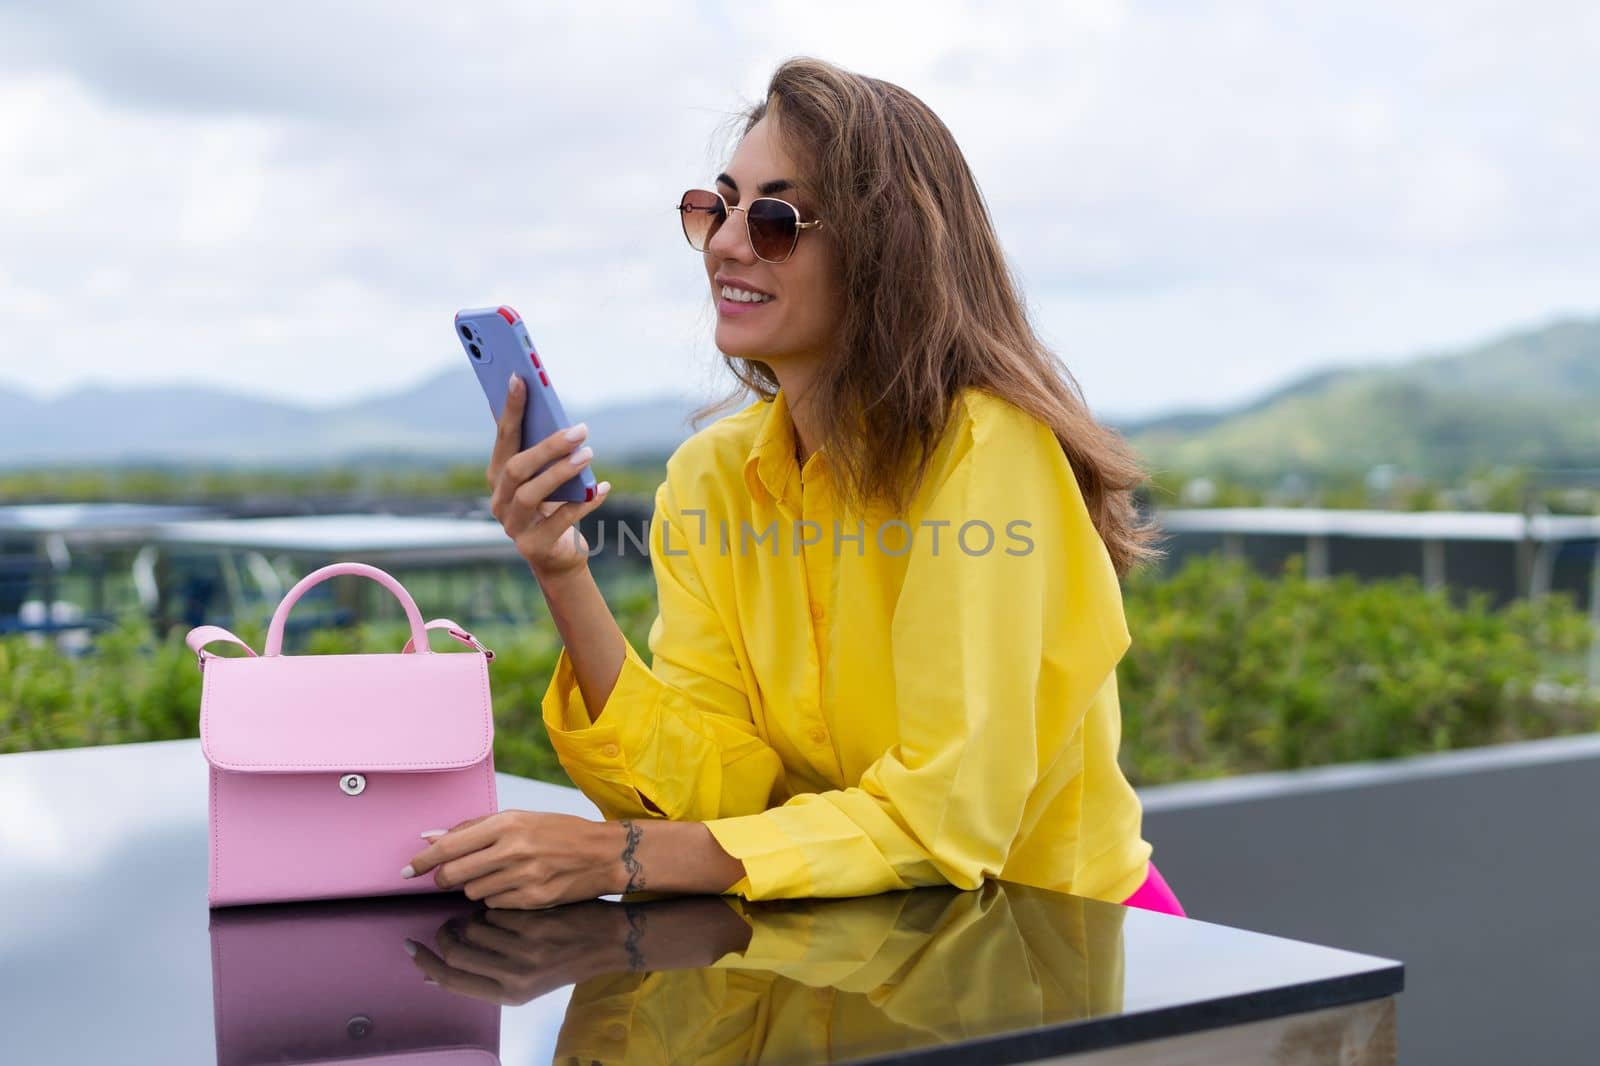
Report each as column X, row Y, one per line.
column 109, row 953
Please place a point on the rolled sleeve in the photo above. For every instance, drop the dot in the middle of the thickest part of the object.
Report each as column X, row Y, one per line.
column 675, row 738
column 594, row 753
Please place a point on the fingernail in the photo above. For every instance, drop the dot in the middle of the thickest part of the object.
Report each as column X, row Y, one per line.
column 602, row 488
column 407, row 871
column 411, row 947
column 427, row 833
column 578, row 432
column 513, row 383
column 429, row 981
column 582, row 455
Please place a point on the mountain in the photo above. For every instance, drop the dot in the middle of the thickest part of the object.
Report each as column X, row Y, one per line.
column 442, row 418
column 1528, row 398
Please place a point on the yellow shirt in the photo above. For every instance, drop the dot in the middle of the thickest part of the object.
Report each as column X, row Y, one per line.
column 855, row 704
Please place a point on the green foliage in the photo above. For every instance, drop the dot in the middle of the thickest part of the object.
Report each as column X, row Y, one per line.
column 200, row 485
column 131, row 687
column 1230, row 672
column 1505, row 489
column 1278, row 480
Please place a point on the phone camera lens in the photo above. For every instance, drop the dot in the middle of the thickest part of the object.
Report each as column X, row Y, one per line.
column 476, row 352
column 466, row 331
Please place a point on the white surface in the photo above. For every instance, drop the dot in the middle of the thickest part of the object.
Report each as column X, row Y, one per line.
column 1360, row 775
column 346, row 534
column 1401, row 525
column 86, row 517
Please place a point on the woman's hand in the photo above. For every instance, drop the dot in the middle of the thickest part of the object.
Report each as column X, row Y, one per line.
column 528, row 860
column 531, row 860
column 511, row 957
column 543, row 530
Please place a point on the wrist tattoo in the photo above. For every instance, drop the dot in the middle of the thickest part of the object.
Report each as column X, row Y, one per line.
column 629, row 862
column 636, row 922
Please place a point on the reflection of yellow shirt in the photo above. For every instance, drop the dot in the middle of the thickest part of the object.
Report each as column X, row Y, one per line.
column 859, row 704
column 850, row 978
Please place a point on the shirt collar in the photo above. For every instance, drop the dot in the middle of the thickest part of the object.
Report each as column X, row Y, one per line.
column 770, row 467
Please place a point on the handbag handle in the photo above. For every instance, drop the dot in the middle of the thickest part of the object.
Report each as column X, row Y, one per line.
column 200, row 636
column 280, row 617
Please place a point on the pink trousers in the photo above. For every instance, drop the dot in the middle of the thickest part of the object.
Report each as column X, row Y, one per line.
column 1155, row 895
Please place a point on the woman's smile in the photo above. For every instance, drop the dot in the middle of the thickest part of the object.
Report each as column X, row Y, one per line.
column 737, row 298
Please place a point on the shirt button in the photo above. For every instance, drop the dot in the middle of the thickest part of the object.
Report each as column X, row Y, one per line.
column 612, row 751
column 817, row 611
column 819, row 736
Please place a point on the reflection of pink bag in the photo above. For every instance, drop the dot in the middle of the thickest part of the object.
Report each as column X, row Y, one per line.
column 331, row 983
column 325, row 768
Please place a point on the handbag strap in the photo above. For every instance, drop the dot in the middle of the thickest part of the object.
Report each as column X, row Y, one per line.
column 200, row 636
column 457, row 632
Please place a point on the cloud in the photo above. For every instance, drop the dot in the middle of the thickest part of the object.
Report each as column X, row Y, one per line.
column 1200, row 199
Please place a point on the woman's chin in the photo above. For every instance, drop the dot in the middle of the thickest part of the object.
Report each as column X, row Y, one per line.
column 738, row 343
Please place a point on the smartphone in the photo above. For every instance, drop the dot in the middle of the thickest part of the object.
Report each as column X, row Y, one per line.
column 497, row 344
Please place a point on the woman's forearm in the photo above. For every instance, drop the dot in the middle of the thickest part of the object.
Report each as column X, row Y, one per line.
column 650, row 855
column 593, row 640
column 662, row 856
column 680, row 934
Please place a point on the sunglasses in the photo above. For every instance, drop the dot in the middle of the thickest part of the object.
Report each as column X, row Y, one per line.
column 773, row 225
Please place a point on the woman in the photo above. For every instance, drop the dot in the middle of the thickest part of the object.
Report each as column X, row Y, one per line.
column 889, row 608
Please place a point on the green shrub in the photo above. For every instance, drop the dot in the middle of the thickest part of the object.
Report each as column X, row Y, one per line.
column 1230, row 672
column 132, row 687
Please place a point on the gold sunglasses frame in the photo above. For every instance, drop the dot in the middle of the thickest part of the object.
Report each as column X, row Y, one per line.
column 799, row 224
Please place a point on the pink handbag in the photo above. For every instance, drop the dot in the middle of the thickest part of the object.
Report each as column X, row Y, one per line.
column 325, row 768
column 331, row 983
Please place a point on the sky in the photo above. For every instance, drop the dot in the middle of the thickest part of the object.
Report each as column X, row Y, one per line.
column 1202, row 200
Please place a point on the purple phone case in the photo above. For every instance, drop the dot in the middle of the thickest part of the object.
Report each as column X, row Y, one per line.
column 504, row 348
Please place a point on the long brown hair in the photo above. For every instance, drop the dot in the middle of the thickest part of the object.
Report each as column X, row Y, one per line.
column 931, row 305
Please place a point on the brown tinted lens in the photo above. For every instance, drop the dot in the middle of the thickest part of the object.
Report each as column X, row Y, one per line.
column 774, row 227
column 702, row 213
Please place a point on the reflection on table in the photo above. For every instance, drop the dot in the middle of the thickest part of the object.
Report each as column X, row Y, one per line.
column 857, row 977
column 315, row 982
column 702, row 979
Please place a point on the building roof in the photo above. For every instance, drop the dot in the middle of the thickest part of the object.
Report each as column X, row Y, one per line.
column 348, row 534
column 1387, row 525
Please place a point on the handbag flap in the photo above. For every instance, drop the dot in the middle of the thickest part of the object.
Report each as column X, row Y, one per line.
column 310, row 713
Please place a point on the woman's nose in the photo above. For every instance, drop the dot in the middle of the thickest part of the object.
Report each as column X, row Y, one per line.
column 732, row 240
